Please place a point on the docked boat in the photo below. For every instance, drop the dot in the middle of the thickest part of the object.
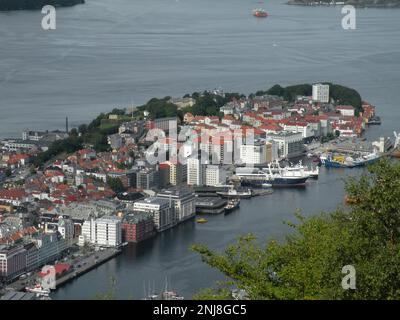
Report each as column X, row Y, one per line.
column 38, row 289
column 374, row 120
column 165, row 295
column 337, row 161
column 367, row 159
column 310, row 171
column 275, row 176
column 232, row 205
column 233, row 193
column 260, row 13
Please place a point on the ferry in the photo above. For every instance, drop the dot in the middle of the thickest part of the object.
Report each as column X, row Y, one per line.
column 232, row 205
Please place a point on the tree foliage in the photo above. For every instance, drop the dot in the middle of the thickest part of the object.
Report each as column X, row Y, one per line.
column 308, row 265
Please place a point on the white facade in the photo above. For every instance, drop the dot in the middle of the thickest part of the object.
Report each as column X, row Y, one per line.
column 162, row 210
column 320, row 93
column 253, row 153
column 103, row 232
column 194, row 172
column 183, row 201
column 215, row 176
column 290, row 145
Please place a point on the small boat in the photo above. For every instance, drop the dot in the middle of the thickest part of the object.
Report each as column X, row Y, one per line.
column 266, row 185
column 165, row 295
column 232, row 205
column 201, row 220
column 260, row 13
column 38, row 289
column 232, row 193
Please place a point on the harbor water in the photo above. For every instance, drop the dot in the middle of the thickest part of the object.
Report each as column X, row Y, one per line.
column 107, row 54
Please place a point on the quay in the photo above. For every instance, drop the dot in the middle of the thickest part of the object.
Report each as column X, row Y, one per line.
column 79, row 267
column 88, row 263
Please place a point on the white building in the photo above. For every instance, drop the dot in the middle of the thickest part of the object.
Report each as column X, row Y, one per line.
column 194, row 172
column 183, row 201
column 162, row 210
column 103, row 232
column 290, row 145
column 214, row 176
column 320, row 93
column 348, row 111
column 253, row 153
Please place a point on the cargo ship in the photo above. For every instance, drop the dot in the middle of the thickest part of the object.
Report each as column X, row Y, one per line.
column 260, row 13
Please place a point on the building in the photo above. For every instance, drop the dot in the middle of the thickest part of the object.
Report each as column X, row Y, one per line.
column 182, row 103
column 146, row 178
column 137, row 226
column 103, row 232
column 12, row 261
column 272, row 151
column 13, row 196
column 162, row 210
column 183, row 200
column 346, row 110
column 320, row 93
column 177, row 173
column 44, row 248
column 214, row 176
column 66, row 228
column 194, row 172
column 253, row 153
column 290, row 145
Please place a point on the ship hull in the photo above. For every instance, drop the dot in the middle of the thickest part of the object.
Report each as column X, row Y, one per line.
column 277, row 182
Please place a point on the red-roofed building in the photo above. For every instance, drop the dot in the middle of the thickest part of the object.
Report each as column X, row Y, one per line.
column 14, row 196
column 346, row 110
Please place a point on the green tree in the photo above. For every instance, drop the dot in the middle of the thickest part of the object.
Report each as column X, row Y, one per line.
column 115, row 184
column 308, row 264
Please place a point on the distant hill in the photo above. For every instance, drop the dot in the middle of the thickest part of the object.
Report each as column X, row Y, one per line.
column 9, row 5
column 356, row 3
